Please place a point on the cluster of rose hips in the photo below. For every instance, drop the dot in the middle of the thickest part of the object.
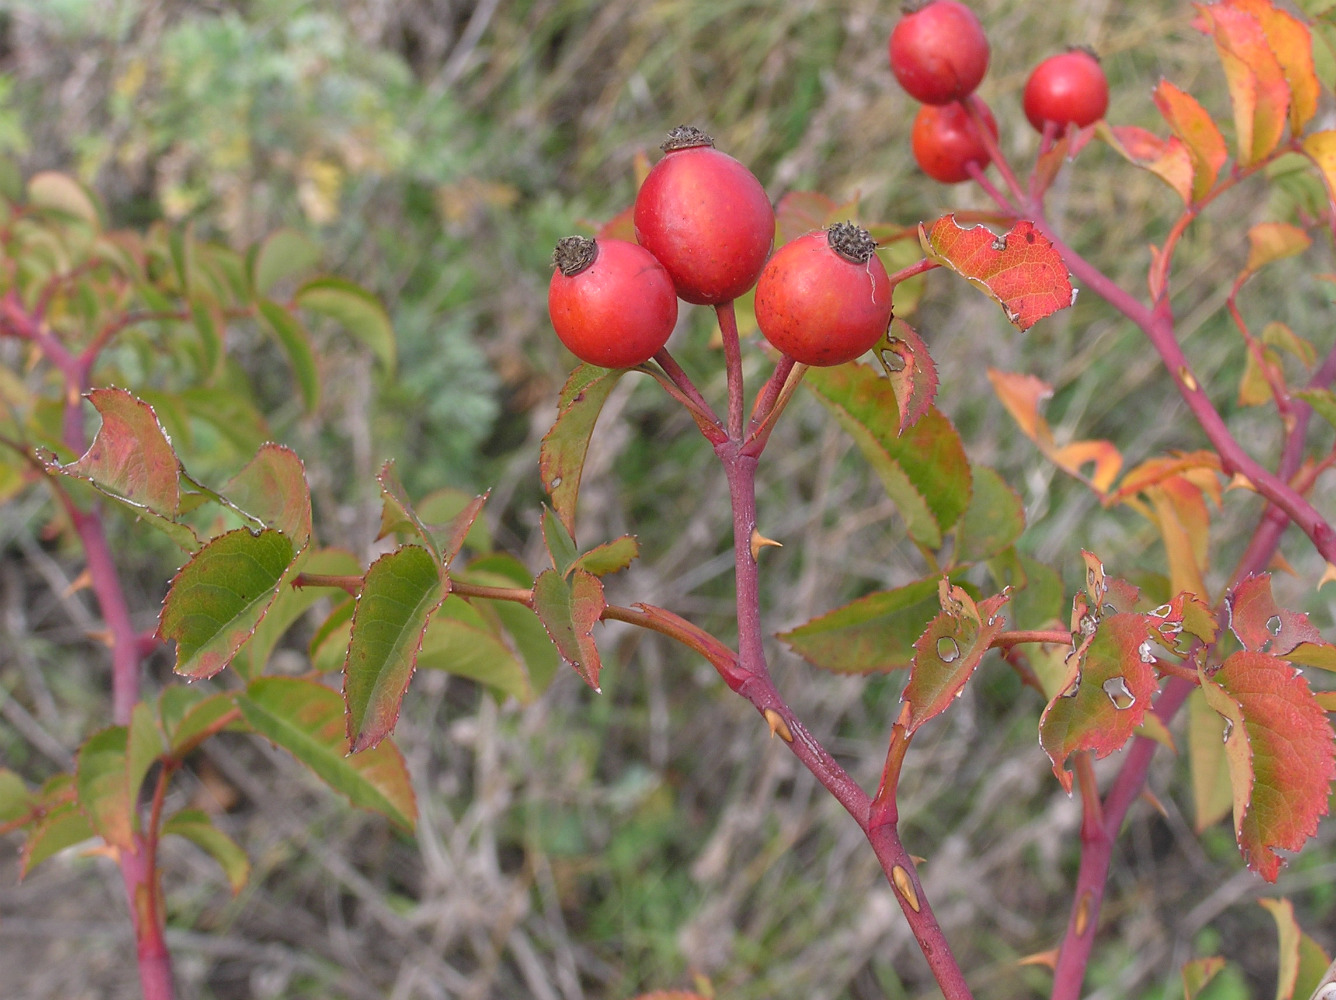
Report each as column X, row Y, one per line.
column 939, row 54
column 704, row 227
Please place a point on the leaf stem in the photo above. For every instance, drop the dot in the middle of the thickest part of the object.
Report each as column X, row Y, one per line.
column 728, row 328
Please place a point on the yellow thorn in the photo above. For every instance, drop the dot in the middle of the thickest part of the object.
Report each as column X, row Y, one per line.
column 1328, row 575
column 1082, row 922
column 917, row 860
column 759, row 541
column 778, row 727
column 1048, row 958
column 103, row 636
column 1240, row 482
column 905, row 885
column 84, row 579
column 1155, row 803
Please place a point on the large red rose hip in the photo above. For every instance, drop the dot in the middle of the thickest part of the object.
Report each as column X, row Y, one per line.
column 946, row 141
column 612, row 304
column 706, row 218
column 825, row 298
column 939, row 52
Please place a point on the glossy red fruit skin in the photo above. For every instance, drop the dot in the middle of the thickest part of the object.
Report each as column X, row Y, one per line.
column 618, row 311
column 939, row 53
column 819, row 307
column 707, row 219
column 945, row 141
column 1067, row 88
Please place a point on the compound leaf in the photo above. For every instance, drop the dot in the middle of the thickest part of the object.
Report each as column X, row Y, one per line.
column 307, row 719
column 401, row 591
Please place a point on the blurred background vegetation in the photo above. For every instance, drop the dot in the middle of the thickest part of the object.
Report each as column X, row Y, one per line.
column 596, row 846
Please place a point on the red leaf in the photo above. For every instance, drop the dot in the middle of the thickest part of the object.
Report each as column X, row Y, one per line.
column 273, row 488
column 946, row 654
column 1281, row 754
column 1111, row 688
column 1021, row 270
column 1260, row 624
column 131, row 456
column 911, row 370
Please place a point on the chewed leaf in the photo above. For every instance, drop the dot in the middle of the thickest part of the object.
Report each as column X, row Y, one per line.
column 948, row 651
column 910, row 368
column 272, row 487
column 1281, row 754
column 873, row 634
column 131, row 457
column 401, row 591
column 1257, row 86
column 306, row 719
column 1114, row 681
column 1021, row 269
column 1168, row 159
column 1263, row 626
column 196, row 826
column 1196, row 129
column 561, row 459
column 221, row 595
column 924, row 470
column 569, row 608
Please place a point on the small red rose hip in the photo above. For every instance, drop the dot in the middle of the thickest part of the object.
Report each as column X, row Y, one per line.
column 706, row 218
column 939, row 52
column 946, row 141
column 825, row 298
column 612, row 304
column 1069, row 88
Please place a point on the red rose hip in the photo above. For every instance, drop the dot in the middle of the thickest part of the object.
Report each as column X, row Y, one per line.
column 611, row 303
column 825, row 298
column 939, row 52
column 1069, row 88
column 706, row 218
column 946, row 141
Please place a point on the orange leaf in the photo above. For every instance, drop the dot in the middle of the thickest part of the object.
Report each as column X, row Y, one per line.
column 1257, row 86
column 1021, row 395
column 1321, row 149
column 1021, row 270
column 1184, row 523
column 1108, row 460
column 1292, row 43
column 1158, row 469
column 1272, row 241
column 1168, row 159
column 1194, row 126
column 1281, row 754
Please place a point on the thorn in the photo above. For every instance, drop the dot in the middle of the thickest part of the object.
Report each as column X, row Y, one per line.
column 103, row 636
column 1328, row 575
column 778, row 727
column 905, row 886
column 1154, row 802
column 759, row 542
column 917, row 860
column 83, row 580
column 1240, row 482
column 1048, row 958
column 1082, row 922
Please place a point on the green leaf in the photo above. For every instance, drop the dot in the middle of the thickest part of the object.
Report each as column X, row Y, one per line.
column 272, row 488
column 401, row 591
column 398, row 514
column 521, row 623
column 460, row 641
column 289, row 606
column 64, row 195
column 925, row 470
column 560, row 545
column 356, row 309
column 561, row 459
column 196, row 826
column 296, row 343
column 447, row 506
column 1323, row 402
column 104, row 795
column 948, row 651
column 221, row 595
column 16, row 801
column 143, row 748
column 62, row 825
column 1109, row 689
column 1036, row 589
column 285, row 253
column 306, row 719
column 569, row 608
column 875, row 633
column 1198, row 973
column 186, row 721
column 610, row 557
column 995, row 518
column 1212, row 796
column 206, row 316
